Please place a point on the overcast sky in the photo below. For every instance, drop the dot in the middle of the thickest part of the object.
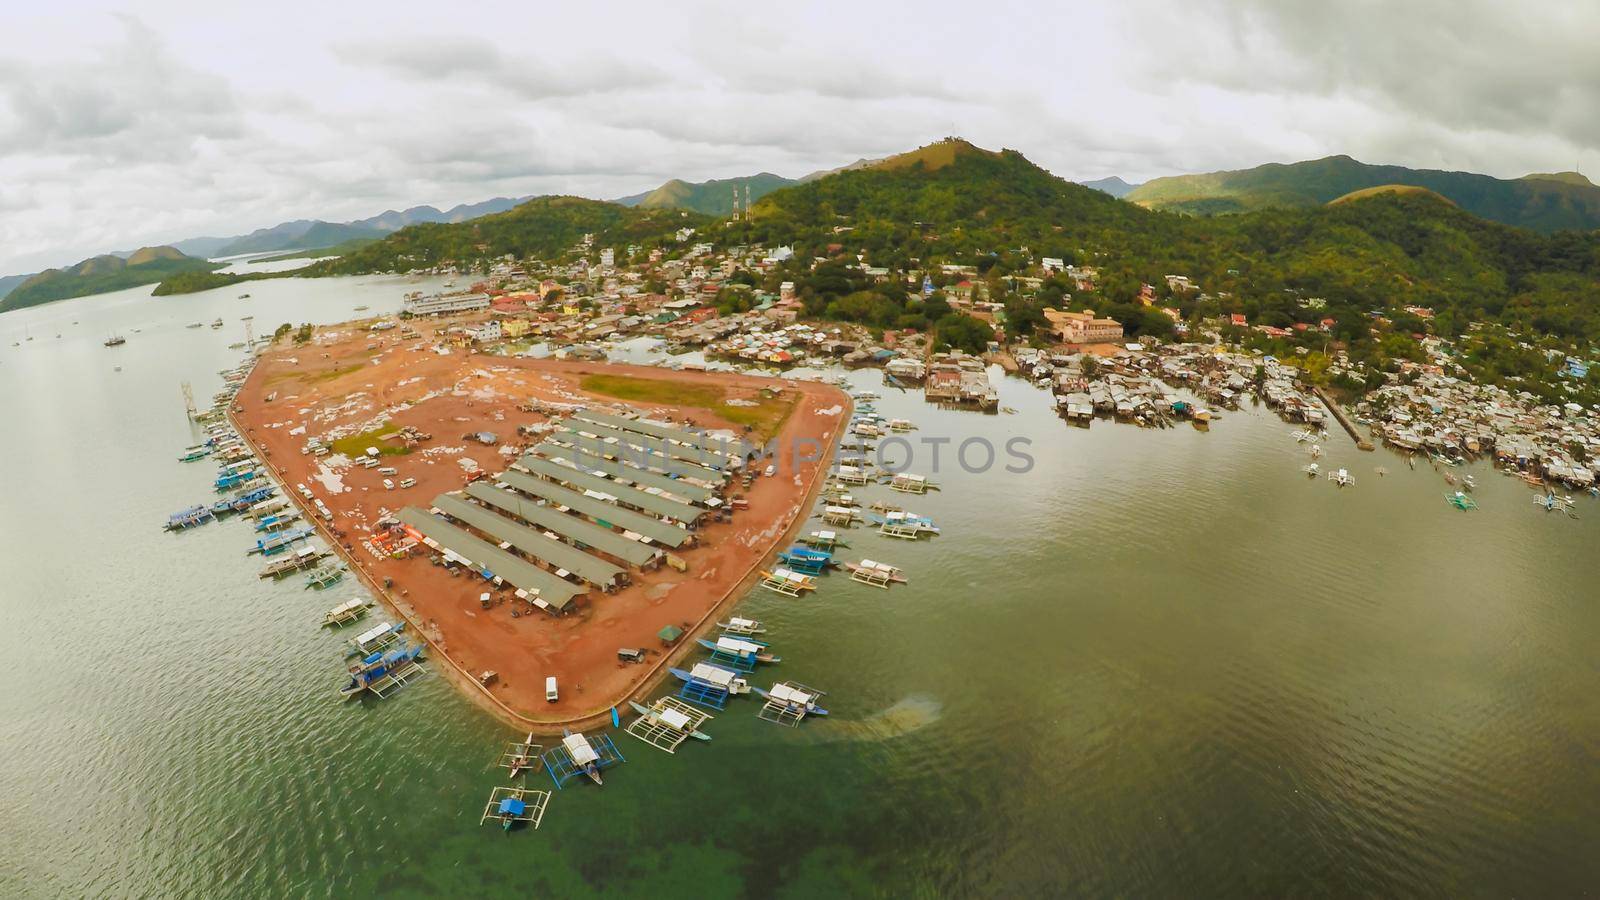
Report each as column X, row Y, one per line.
column 137, row 123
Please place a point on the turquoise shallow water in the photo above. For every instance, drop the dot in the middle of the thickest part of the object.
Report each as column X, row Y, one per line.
column 1160, row 663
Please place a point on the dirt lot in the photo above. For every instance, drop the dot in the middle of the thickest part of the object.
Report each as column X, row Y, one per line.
column 352, row 386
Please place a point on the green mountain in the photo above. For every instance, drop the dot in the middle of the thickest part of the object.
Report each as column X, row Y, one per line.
column 1365, row 256
column 8, row 282
column 99, row 274
column 1540, row 202
column 1114, row 186
column 300, row 235
column 543, row 227
column 713, row 198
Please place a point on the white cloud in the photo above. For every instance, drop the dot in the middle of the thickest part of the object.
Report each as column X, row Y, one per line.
column 118, row 130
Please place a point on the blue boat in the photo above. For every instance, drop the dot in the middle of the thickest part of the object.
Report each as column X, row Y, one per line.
column 277, row 521
column 280, row 542
column 579, row 754
column 384, row 671
column 788, row 703
column 243, row 501
column 710, row 685
column 189, row 518
column 738, row 653
column 234, row 479
column 806, row 560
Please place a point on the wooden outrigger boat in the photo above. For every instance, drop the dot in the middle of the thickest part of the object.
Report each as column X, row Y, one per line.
column 851, row 475
column 1342, row 477
column 383, row 672
column 304, row 558
column 710, row 685
column 326, row 576
column 789, row 702
column 823, row 540
column 787, row 582
column 189, row 518
column 375, row 638
column 667, row 723
column 510, row 805
column 1461, row 501
column 876, row 574
column 807, row 561
column 738, row 653
column 906, row 526
column 278, row 521
column 843, row 516
column 579, row 754
column 281, row 541
column 736, row 625
column 198, row 451
column 346, row 612
column 521, row 756
column 907, row 483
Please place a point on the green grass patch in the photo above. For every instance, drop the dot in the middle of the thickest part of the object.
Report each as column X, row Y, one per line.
column 763, row 420
column 381, row 437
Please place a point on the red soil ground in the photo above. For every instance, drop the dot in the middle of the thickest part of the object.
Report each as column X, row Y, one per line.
column 346, row 382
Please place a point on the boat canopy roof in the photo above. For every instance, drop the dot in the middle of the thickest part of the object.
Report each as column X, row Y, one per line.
column 579, row 747
column 736, row 645
column 675, row 718
column 716, row 675
column 789, row 694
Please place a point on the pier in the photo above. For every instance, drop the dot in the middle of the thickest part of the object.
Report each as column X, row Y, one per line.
column 1338, row 413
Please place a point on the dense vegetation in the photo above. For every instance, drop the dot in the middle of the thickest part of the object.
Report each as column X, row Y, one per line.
column 103, row 273
column 541, row 227
column 1540, row 202
column 205, row 280
column 714, row 198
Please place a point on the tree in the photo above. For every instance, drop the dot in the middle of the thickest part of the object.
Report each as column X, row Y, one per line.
column 963, row 332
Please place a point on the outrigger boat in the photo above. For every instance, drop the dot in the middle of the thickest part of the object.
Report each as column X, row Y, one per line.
column 189, row 518
column 375, row 638
column 840, row 515
column 876, row 574
column 242, row 502
column 282, row 541
column 789, row 702
column 324, row 577
column 738, row 653
column 1311, row 469
column 579, row 754
column 347, row 612
column 1342, row 477
column 667, row 723
column 807, row 561
column 906, row 525
column 382, row 672
column 736, row 625
column 823, row 540
column 787, row 582
column 278, row 521
column 1461, row 501
column 521, row 756
column 510, row 805
column 304, row 558
column 907, row 483
column 198, row 451
column 710, row 685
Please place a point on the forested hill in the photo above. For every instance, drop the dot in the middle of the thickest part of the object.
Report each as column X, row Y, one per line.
column 541, row 227
column 103, row 273
column 1377, row 253
column 1542, row 202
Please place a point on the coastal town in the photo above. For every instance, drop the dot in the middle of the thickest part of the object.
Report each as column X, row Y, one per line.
column 676, row 300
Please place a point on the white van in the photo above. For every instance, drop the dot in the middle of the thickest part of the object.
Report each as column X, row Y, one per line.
column 408, row 483
column 388, row 470
column 388, row 485
column 550, row 694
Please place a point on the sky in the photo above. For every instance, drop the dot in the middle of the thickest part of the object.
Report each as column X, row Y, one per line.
column 124, row 125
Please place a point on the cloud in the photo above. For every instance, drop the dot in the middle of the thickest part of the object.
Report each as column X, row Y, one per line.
column 117, row 131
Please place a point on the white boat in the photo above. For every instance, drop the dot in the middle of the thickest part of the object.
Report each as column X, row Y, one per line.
column 736, row 625
column 347, row 612
column 1342, row 477
column 1311, row 469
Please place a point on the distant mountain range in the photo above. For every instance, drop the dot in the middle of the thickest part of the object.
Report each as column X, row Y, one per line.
column 300, row 234
column 1542, row 202
column 714, row 198
column 98, row 274
column 1114, row 186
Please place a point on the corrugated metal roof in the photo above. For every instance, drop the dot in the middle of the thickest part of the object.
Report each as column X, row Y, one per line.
column 688, row 460
column 652, row 528
column 681, row 435
column 577, row 529
column 580, row 478
column 531, row 542
column 514, row 570
column 592, row 455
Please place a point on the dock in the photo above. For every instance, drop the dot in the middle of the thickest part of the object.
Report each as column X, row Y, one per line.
column 1338, row 413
